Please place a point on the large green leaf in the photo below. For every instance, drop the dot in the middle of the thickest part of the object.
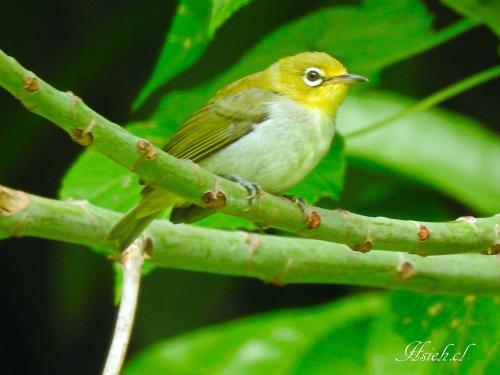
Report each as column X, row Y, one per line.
column 102, row 182
column 265, row 344
column 483, row 11
column 221, row 11
column 193, row 27
column 360, row 335
column 442, row 149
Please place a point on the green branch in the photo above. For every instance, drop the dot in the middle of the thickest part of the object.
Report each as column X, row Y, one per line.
column 280, row 260
column 201, row 187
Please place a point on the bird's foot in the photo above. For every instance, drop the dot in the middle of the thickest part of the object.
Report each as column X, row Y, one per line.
column 311, row 217
column 253, row 189
column 299, row 202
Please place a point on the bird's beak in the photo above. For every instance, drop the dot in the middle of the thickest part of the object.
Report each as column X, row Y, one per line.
column 347, row 79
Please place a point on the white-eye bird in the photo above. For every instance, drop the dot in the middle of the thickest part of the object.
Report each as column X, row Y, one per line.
column 270, row 128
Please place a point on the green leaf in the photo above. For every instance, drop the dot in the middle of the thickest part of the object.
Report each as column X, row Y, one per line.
column 483, row 11
column 439, row 148
column 265, row 344
column 357, row 335
column 221, row 11
column 194, row 25
column 327, row 179
column 102, row 182
column 459, row 322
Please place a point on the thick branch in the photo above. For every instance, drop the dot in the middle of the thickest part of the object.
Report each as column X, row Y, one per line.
column 273, row 259
column 201, row 187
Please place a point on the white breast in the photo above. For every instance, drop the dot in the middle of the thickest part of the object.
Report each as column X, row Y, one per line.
column 281, row 151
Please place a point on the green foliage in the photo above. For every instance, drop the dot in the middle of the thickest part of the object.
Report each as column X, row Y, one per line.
column 460, row 321
column 265, row 344
column 359, row 335
column 193, row 27
column 483, row 11
column 221, row 11
column 452, row 153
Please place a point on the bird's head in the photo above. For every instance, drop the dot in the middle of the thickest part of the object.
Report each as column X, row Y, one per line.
column 313, row 79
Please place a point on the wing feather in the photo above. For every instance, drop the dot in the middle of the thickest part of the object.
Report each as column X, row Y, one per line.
column 220, row 123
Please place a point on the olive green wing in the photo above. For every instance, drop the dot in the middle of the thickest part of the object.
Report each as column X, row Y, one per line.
column 220, row 123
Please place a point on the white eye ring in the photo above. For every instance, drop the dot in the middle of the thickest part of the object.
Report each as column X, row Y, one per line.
column 313, row 77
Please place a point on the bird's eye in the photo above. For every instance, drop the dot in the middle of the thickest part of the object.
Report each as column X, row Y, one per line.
column 313, row 77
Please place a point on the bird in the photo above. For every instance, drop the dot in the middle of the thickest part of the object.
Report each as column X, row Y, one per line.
column 267, row 131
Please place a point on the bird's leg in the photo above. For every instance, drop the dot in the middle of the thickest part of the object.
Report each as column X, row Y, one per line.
column 253, row 189
column 300, row 203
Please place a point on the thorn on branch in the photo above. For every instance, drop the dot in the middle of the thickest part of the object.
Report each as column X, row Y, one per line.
column 313, row 220
column 146, row 149
column 12, row 201
column 363, row 247
column 214, row 200
column 406, row 270
column 493, row 249
column 31, row 84
column 84, row 137
column 423, row 233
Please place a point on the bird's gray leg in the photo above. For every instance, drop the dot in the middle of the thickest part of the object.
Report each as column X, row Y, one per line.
column 299, row 202
column 252, row 188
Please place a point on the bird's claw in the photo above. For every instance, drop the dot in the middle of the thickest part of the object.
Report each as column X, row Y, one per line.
column 253, row 189
column 300, row 203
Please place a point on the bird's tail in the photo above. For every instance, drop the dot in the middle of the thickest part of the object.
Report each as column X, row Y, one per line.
column 138, row 218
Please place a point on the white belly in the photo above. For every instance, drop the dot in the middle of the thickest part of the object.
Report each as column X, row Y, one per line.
column 281, row 151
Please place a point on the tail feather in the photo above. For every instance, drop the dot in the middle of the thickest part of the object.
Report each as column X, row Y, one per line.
column 189, row 214
column 138, row 218
column 129, row 228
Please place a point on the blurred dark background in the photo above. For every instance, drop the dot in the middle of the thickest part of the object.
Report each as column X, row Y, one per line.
column 57, row 313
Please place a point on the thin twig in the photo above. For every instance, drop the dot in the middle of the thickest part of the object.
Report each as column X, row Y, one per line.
column 432, row 100
column 131, row 261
